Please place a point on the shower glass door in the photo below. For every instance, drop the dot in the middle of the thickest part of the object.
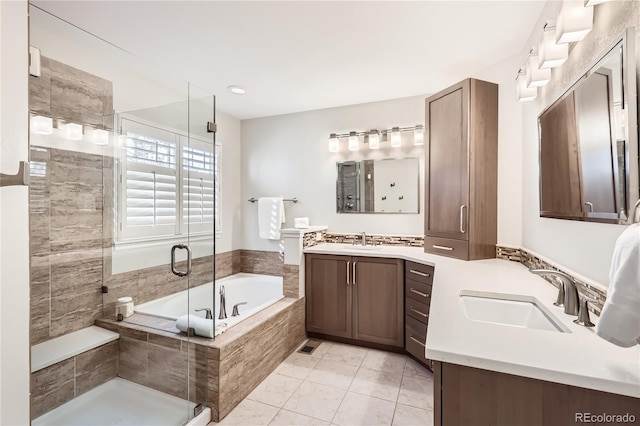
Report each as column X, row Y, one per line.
column 123, row 170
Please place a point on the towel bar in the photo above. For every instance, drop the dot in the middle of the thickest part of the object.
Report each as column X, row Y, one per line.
column 293, row 200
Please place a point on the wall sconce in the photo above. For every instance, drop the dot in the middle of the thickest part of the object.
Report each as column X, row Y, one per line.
column 418, row 135
column 536, row 77
column 523, row 92
column 73, row 131
column 550, row 54
column 353, row 141
column 594, row 2
column 374, row 138
column 41, row 125
column 99, row 137
column 574, row 21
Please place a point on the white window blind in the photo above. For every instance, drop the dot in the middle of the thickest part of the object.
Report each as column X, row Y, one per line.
column 167, row 184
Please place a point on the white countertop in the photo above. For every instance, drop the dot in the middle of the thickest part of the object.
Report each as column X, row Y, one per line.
column 579, row 358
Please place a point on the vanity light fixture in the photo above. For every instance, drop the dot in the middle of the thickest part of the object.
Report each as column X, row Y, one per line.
column 524, row 93
column 353, row 141
column 574, row 21
column 73, row 131
column 374, row 139
column 41, row 125
column 100, row 137
column 536, row 77
column 396, row 138
column 334, row 143
column 550, row 54
column 588, row 3
column 418, row 135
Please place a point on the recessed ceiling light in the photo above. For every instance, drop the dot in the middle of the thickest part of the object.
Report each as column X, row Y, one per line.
column 237, row 90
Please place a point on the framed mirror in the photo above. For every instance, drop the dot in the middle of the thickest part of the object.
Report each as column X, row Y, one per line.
column 389, row 185
column 589, row 143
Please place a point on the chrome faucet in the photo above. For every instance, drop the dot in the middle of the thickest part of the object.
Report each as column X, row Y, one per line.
column 567, row 292
column 208, row 314
column 235, row 312
column 223, row 302
column 364, row 238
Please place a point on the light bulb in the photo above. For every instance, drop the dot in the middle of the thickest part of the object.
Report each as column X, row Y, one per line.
column 41, row 125
column 374, row 139
column 396, row 139
column 418, row 135
column 334, row 143
column 353, row 141
column 550, row 54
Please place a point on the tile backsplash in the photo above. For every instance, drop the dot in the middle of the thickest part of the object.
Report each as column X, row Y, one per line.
column 532, row 261
column 376, row 239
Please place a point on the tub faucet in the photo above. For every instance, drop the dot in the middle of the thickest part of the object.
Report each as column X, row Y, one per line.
column 208, row 315
column 223, row 302
column 567, row 292
column 235, row 312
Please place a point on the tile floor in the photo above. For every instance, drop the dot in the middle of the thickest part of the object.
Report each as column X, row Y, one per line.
column 340, row 385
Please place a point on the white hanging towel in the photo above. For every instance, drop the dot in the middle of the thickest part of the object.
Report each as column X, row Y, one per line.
column 270, row 217
column 620, row 319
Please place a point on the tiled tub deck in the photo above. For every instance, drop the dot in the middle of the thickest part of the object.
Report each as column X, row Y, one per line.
column 221, row 372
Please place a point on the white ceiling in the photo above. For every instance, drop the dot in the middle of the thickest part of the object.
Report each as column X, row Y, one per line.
column 298, row 56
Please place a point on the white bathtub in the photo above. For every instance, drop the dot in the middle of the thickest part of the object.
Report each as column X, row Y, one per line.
column 259, row 291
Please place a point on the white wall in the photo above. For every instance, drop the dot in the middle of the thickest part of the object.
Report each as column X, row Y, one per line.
column 583, row 247
column 231, row 201
column 288, row 156
column 14, row 217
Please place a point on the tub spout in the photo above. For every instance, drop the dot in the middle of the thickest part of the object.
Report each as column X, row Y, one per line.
column 223, row 302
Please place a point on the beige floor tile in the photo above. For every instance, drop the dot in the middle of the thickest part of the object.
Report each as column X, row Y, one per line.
column 332, row 373
column 250, row 412
column 297, row 365
column 315, row 400
column 406, row 415
column 415, row 370
column 416, row 392
column 346, row 354
column 376, row 383
column 385, row 361
column 364, row 410
column 275, row 390
column 321, row 349
column 289, row 418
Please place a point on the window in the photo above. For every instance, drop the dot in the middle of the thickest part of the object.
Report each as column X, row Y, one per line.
column 168, row 184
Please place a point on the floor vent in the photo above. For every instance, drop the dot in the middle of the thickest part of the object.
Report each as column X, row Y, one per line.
column 309, row 346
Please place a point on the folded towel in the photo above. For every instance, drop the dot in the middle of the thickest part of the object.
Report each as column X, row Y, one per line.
column 620, row 318
column 270, row 217
column 201, row 326
column 301, row 222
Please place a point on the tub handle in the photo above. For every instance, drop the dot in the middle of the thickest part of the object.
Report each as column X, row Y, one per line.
column 173, row 260
column 208, row 315
column 235, row 312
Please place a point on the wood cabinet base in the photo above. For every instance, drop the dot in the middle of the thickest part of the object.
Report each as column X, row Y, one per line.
column 469, row 396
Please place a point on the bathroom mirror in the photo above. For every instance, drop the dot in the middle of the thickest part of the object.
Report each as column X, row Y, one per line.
column 589, row 143
column 378, row 186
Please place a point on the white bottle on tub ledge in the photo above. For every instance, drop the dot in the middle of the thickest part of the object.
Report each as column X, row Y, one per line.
column 124, row 307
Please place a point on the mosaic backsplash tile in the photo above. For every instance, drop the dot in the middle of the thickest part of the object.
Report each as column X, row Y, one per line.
column 385, row 240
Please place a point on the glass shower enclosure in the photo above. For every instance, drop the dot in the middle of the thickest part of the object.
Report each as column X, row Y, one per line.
column 123, row 211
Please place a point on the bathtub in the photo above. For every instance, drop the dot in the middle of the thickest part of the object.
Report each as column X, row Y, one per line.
column 259, row 291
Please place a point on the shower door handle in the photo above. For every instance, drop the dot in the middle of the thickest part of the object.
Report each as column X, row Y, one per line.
column 173, row 260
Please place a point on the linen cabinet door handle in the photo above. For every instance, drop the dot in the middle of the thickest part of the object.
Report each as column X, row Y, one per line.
column 422, row 274
column 419, row 313
column 348, row 267
column 419, row 293
column 462, row 207
column 354, row 273
column 417, row 341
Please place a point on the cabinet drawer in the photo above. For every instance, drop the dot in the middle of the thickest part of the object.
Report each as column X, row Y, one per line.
column 417, row 310
column 417, row 291
column 415, row 338
column 447, row 247
column 418, row 272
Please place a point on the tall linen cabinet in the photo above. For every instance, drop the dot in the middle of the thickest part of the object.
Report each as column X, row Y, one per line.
column 461, row 131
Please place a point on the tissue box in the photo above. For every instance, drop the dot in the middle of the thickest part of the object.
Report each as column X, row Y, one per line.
column 301, row 222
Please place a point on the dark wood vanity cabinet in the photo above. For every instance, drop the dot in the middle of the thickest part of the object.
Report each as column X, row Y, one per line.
column 359, row 298
column 461, row 133
column 418, row 282
column 467, row 396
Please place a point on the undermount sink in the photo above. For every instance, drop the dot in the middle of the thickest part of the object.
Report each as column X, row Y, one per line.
column 365, row 248
column 509, row 309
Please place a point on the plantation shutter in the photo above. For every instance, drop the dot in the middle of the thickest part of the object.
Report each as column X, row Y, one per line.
column 198, row 170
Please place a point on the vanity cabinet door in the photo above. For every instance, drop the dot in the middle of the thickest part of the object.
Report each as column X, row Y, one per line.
column 328, row 295
column 378, row 300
